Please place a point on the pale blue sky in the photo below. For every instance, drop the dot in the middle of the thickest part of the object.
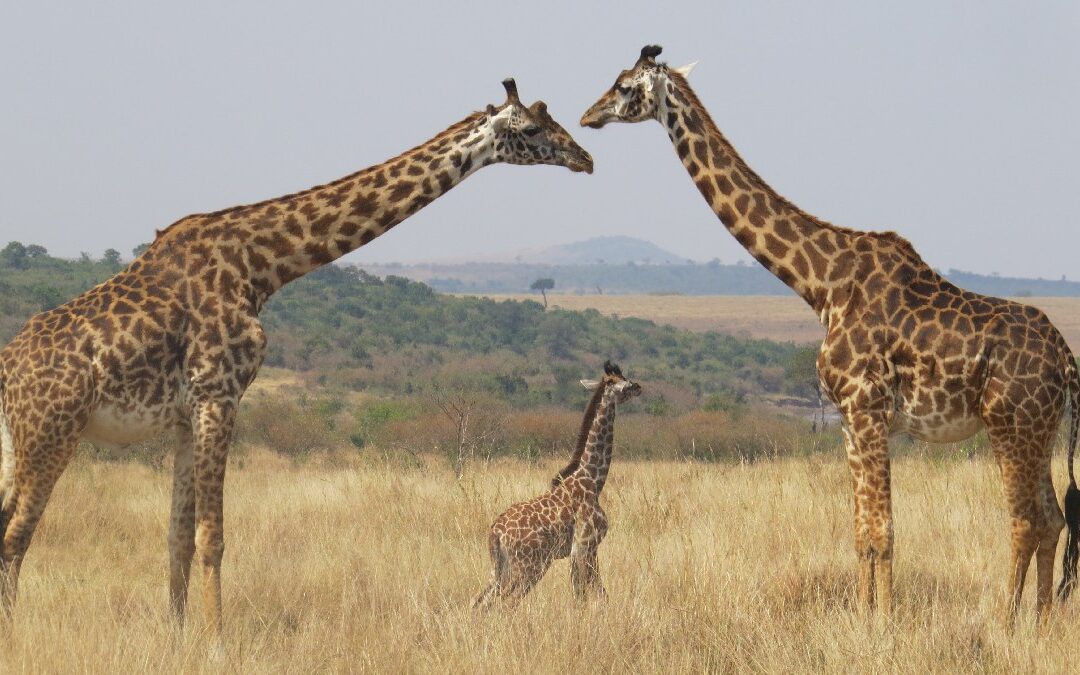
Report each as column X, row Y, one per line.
column 956, row 124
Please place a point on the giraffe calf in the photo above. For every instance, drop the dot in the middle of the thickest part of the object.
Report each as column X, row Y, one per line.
column 565, row 521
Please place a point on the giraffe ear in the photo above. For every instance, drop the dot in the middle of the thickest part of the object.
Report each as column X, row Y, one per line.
column 685, row 70
column 590, row 385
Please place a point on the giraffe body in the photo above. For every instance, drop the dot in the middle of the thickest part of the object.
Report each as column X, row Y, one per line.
column 172, row 341
column 905, row 350
column 567, row 520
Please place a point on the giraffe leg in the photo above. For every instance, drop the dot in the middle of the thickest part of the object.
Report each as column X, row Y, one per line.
column 522, row 574
column 585, row 571
column 1036, row 521
column 1021, row 495
column 864, row 584
column 590, row 527
column 1051, row 524
column 1024, row 540
column 867, row 446
column 487, row 594
column 213, row 431
column 181, row 527
column 35, row 478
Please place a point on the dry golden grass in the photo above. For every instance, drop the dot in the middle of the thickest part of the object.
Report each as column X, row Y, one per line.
column 784, row 318
column 370, row 566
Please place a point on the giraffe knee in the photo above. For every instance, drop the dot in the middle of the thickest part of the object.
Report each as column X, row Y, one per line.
column 16, row 541
column 864, row 541
column 882, row 541
column 1052, row 525
column 210, row 543
column 1025, row 532
column 180, row 547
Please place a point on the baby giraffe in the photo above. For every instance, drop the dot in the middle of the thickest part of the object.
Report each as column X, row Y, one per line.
column 567, row 519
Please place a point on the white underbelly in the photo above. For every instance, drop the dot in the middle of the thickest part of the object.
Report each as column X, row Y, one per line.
column 112, row 426
column 937, row 428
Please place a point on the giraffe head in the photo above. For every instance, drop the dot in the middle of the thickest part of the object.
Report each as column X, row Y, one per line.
column 614, row 384
column 529, row 135
column 612, row 388
column 637, row 93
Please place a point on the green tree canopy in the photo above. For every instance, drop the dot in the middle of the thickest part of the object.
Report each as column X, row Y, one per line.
column 543, row 285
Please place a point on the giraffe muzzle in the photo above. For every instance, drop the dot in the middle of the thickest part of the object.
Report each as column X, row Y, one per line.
column 580, row 162
column 597, row 116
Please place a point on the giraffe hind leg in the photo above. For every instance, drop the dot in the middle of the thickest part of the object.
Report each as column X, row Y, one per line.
column 7, row 470
column 1050, row 525
column 1030, row 520
column 35, row 487
column 522, row 576
column 181, row 528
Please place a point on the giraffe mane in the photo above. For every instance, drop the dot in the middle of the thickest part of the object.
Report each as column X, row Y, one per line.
column 683, row 85
column 583, row 436
column 452, row 130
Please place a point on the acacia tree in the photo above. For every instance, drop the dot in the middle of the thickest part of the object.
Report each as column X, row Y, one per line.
column 112, row 259
column 543, row 285
column 463, row 408
column 15, row 256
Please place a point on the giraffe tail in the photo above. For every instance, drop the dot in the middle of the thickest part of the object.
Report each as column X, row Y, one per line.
column 500, row 574
column 1072, row 493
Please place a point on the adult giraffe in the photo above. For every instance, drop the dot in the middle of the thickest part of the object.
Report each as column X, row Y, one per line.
column 904, row 351
column 173, row 341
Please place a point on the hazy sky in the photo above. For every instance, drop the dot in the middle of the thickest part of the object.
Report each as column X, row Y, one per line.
column 956, row 124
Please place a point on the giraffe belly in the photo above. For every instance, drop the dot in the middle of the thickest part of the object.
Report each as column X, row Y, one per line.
column 112, row 426
column 937, row 428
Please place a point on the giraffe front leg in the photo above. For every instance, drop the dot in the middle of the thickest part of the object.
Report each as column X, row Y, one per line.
column 584, row 565
column 181, row 527
column 585, row 573
column 213, row 431
column 868, row 459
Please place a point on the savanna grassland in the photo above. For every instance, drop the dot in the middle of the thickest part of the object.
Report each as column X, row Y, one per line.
column 368, row 562
column 390, row 424
column 785, row 318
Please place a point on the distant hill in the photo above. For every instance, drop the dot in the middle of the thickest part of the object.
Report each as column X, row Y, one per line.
column 617, row 250
column 688, row 278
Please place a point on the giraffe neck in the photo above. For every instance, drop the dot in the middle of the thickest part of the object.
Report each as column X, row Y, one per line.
column 790, row 243
column 592, row 471
column 276, row 241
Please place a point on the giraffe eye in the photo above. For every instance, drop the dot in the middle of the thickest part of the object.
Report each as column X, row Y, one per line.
column 531, row 130
column 625, row 91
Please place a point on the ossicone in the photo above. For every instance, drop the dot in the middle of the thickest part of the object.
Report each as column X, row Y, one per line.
column 511, row 90
column 650, row 52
